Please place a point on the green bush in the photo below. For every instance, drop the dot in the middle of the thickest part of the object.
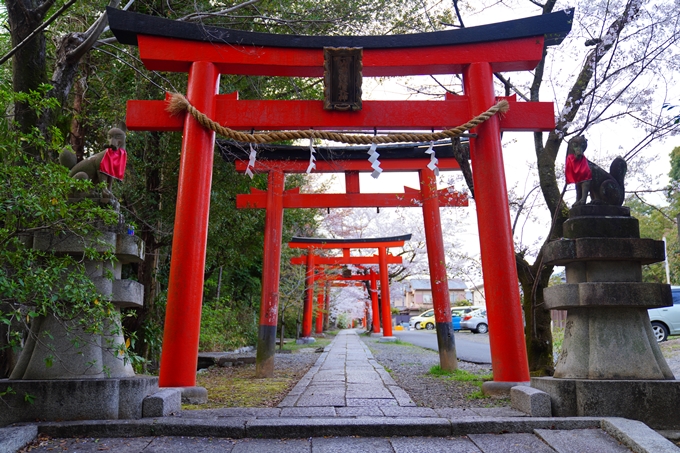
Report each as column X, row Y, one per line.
column 224, row 328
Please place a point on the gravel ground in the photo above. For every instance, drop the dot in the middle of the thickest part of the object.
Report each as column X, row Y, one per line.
column 410, row 365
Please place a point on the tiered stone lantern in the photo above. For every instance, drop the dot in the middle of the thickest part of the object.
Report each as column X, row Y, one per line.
column 65, row 373
column 610, row 364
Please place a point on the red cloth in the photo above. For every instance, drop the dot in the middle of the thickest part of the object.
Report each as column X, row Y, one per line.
column 113, row 163
column 577, row 170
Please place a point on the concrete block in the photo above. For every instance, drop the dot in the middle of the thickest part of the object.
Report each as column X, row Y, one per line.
column 581, row 440
column 127, row 294
column 510, row 442
column 71, row 399
column 165, row 402
column 305, row 340
column 74, row 244
column 653, row 402
column 383, row 427
column 131, row 394
column 502, row 389
column 194, row 395
column 16, row 437
column 606, row 294
column 637, row 436
column 129, row 249
column 608, row 227
column 531, row 401
column 643, row 251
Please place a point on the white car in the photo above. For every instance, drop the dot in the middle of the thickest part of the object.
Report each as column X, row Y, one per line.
column 416, row 322
column 666, row 321
column 475, row 321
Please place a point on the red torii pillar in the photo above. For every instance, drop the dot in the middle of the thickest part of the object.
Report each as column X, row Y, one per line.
column 374, row 302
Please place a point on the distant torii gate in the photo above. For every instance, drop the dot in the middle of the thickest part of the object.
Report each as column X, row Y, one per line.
column 382, row 244
column 206, row 52
column 372, row 276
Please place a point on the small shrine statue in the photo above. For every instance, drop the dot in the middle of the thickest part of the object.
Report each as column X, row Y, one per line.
column 604, row 188
column 104, row 166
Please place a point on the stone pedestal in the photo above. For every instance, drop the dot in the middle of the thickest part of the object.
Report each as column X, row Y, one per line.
column 610, row 364
column 67, row 373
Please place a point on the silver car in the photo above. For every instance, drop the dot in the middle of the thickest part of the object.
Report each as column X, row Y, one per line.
column 475, row 321
column 666, row 320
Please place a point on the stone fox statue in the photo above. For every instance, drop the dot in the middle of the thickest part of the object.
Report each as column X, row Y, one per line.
column 603, row 187
column 104, row 166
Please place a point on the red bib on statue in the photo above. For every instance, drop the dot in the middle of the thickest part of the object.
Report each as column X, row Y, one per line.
column 113, row 163
column 577, row 170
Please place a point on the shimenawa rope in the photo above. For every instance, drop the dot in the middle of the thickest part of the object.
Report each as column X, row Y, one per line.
column 178, row 103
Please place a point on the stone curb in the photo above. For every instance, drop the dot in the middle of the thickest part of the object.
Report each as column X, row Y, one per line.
column 16, row 437
column 292, row 427
column 637, row 436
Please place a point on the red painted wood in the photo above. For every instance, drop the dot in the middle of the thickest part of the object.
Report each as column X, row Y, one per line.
column 309, row 295
column 339, row 260
column 506, row 332
column 352, row 182
column 271, row 264
column 340, row 166
column 337, row 200
column 434, row 241
column 374, row 302
column 383, row 115
column 319, row 312
column 181, row 333
column 509, row 55
column 349, row 245
column 385, row 292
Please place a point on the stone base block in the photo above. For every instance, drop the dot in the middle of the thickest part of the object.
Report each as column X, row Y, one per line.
column 163, row 403
column 194, row 395
column 502, row 389
column 75, row 399
column 376, row 335
column 305, row 340
column 531, row 401
column 652, row 402
column 14, row 438
column 387, row 339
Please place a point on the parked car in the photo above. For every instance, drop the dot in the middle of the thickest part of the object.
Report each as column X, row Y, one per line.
column 666, row 321
column 475, row 321
column 416, row 322
column 457, row 313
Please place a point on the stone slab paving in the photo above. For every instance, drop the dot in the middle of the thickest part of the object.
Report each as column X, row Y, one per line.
column 347, row 375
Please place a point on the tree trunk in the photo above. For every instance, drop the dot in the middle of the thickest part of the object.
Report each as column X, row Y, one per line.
column 537, row 320
column 29, row 68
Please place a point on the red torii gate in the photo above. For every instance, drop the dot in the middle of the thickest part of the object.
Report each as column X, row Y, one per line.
column 206, row 52
column 372, row 276
column 382, row 259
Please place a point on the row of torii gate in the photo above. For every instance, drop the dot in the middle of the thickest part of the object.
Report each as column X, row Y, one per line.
column 475, row 53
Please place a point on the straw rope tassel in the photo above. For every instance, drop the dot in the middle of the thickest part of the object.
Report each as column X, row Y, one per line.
column 178, row 104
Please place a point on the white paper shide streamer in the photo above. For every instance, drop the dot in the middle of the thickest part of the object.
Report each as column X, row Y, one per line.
column 312, row 159
column 373, row 159
column 251, row 161
column 433, row 160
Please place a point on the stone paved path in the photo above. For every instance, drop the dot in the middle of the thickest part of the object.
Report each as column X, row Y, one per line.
column 346, row 375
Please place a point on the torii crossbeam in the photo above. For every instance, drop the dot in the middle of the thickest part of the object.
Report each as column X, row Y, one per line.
column 206, row 52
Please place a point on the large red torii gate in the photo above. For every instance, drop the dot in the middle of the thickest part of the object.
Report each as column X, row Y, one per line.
column 206, row 52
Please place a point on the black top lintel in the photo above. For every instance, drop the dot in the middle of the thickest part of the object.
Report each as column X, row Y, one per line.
column 340, row 241
column 127, row 25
